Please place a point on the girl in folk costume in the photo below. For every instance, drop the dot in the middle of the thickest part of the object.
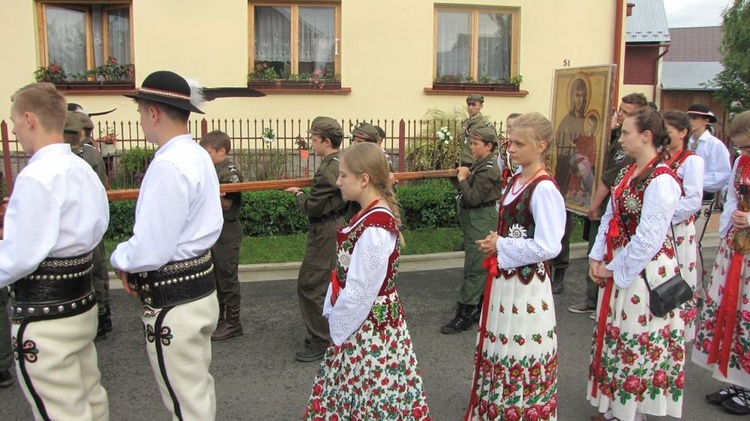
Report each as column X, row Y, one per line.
column 722, row 343
column 370, row 370
column 515, row 373
column 637, row 359
column 688, row 167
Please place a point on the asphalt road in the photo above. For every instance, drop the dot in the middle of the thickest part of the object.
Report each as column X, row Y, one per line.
column 257, row 377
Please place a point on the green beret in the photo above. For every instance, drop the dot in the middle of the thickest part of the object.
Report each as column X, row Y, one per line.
column 475, row 98
column 485, row 133
column 366, row 131
column 85, row 120
column 326, row 126
column 72, row 124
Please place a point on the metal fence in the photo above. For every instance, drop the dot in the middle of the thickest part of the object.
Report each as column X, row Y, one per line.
column 413, row 145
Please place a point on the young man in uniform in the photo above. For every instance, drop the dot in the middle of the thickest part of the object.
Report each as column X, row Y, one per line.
column 226, row 251
column 480, row 188
column 167, row 262
column 56, row 216
column 324, row 208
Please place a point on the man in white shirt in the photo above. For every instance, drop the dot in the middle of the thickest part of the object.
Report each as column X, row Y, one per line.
column 58, row 212
column 716, row 171
column 167, row 262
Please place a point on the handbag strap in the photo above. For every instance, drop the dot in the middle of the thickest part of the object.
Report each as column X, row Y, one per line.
column 676, row 257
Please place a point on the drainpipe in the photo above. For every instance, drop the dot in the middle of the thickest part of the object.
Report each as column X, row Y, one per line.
column 656, row 73
column 619, row 21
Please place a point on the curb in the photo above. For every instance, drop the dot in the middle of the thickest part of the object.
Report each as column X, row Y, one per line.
column 417, row 262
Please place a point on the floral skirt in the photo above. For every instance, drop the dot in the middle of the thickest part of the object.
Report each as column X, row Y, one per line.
column 371, row 376
column 642, row 358
column 687, row 253
column 516, row 369
column 738, row 369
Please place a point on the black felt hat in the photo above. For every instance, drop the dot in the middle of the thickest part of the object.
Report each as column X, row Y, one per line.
column 167, row 88
column 703, row 111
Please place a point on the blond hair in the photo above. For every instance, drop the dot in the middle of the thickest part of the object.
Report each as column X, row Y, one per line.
column 45, row 102
column 740, row 125
column 369, row 158
column 535, row 128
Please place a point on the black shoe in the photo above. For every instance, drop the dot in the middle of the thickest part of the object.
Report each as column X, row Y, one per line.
column 717, row 398
column 459, row 247
column 6, row 379
column 557, row 281
column 739, row 404
column 104, row 326
column 308, row 355
column 463, row 321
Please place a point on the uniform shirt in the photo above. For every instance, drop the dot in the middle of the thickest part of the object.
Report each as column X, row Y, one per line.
column 58, row 209
column 482, row 185
column 178, row 215
column 93, row 157
column 228, row 173
column 467, row 126
column 325, row 197
column 716, row 159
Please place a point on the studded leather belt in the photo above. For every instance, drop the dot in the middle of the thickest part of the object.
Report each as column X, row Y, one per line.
column 175, row 283
column 58, row 287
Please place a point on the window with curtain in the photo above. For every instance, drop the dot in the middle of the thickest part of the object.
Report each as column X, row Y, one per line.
column 79, row 36
column 295, row 41
column 476, row 44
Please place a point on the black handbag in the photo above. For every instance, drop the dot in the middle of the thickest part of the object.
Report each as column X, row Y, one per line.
column 668, row 295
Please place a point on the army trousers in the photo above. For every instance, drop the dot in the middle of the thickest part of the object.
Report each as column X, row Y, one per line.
column 6, row 352
column 226, row 257
column 314, row 277
column 476, row 224
column 100, row 278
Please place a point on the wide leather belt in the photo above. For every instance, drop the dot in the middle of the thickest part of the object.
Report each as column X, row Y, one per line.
column 58, row 287
column 175, row 283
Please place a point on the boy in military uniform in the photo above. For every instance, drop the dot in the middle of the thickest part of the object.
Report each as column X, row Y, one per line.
column 75, row 124
column 324, row 208
column 480, row 188
column 226, row 251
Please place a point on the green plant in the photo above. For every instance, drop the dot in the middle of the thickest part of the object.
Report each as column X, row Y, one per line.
column 268, row 135
column 264, row 165
column 263, row 71
column 121, row 220
column 113, row 71
column 448, row 79
column 428, row 151
column 271, row 212
column 516, row 80
column 428, row 204
column 485, row 79
column 133, row 165
column 52, row 73
column 468, row 79
column 302, row 143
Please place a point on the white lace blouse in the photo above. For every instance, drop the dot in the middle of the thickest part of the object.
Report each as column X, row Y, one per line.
column 367, row 271
column 659, row 203
column 691, row 174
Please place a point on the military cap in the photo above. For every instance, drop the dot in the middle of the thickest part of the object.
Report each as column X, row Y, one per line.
column 366, row 131
column 72, row 124
column 486, row 133
column 325, row 126
column 85, row 120
column 475, row 98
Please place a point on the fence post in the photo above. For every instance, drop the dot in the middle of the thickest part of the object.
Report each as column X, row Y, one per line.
column 6, row 156
column 204, row 127
column 401, row 145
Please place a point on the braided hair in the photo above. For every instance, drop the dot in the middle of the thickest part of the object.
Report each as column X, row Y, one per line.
column 369, row 158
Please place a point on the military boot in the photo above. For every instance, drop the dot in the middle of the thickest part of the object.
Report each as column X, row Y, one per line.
column 230, row 326
column 104, row 324
column 461, row 322
column 557, row 281
column 477, row 315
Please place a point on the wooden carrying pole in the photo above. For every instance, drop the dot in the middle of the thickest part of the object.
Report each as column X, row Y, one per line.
column 132, row 194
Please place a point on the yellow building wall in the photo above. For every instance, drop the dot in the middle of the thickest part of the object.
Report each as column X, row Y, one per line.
column 386, row 55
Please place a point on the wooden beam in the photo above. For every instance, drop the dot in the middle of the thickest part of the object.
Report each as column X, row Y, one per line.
column 132, row 194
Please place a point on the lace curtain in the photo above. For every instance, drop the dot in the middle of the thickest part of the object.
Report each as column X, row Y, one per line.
column 454, row 44
column 316, row 43
column 118, row 35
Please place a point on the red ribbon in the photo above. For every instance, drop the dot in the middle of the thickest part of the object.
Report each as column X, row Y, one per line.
column 335, row 286
column 490, row 264
column 726, row 316
column 613, row 232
